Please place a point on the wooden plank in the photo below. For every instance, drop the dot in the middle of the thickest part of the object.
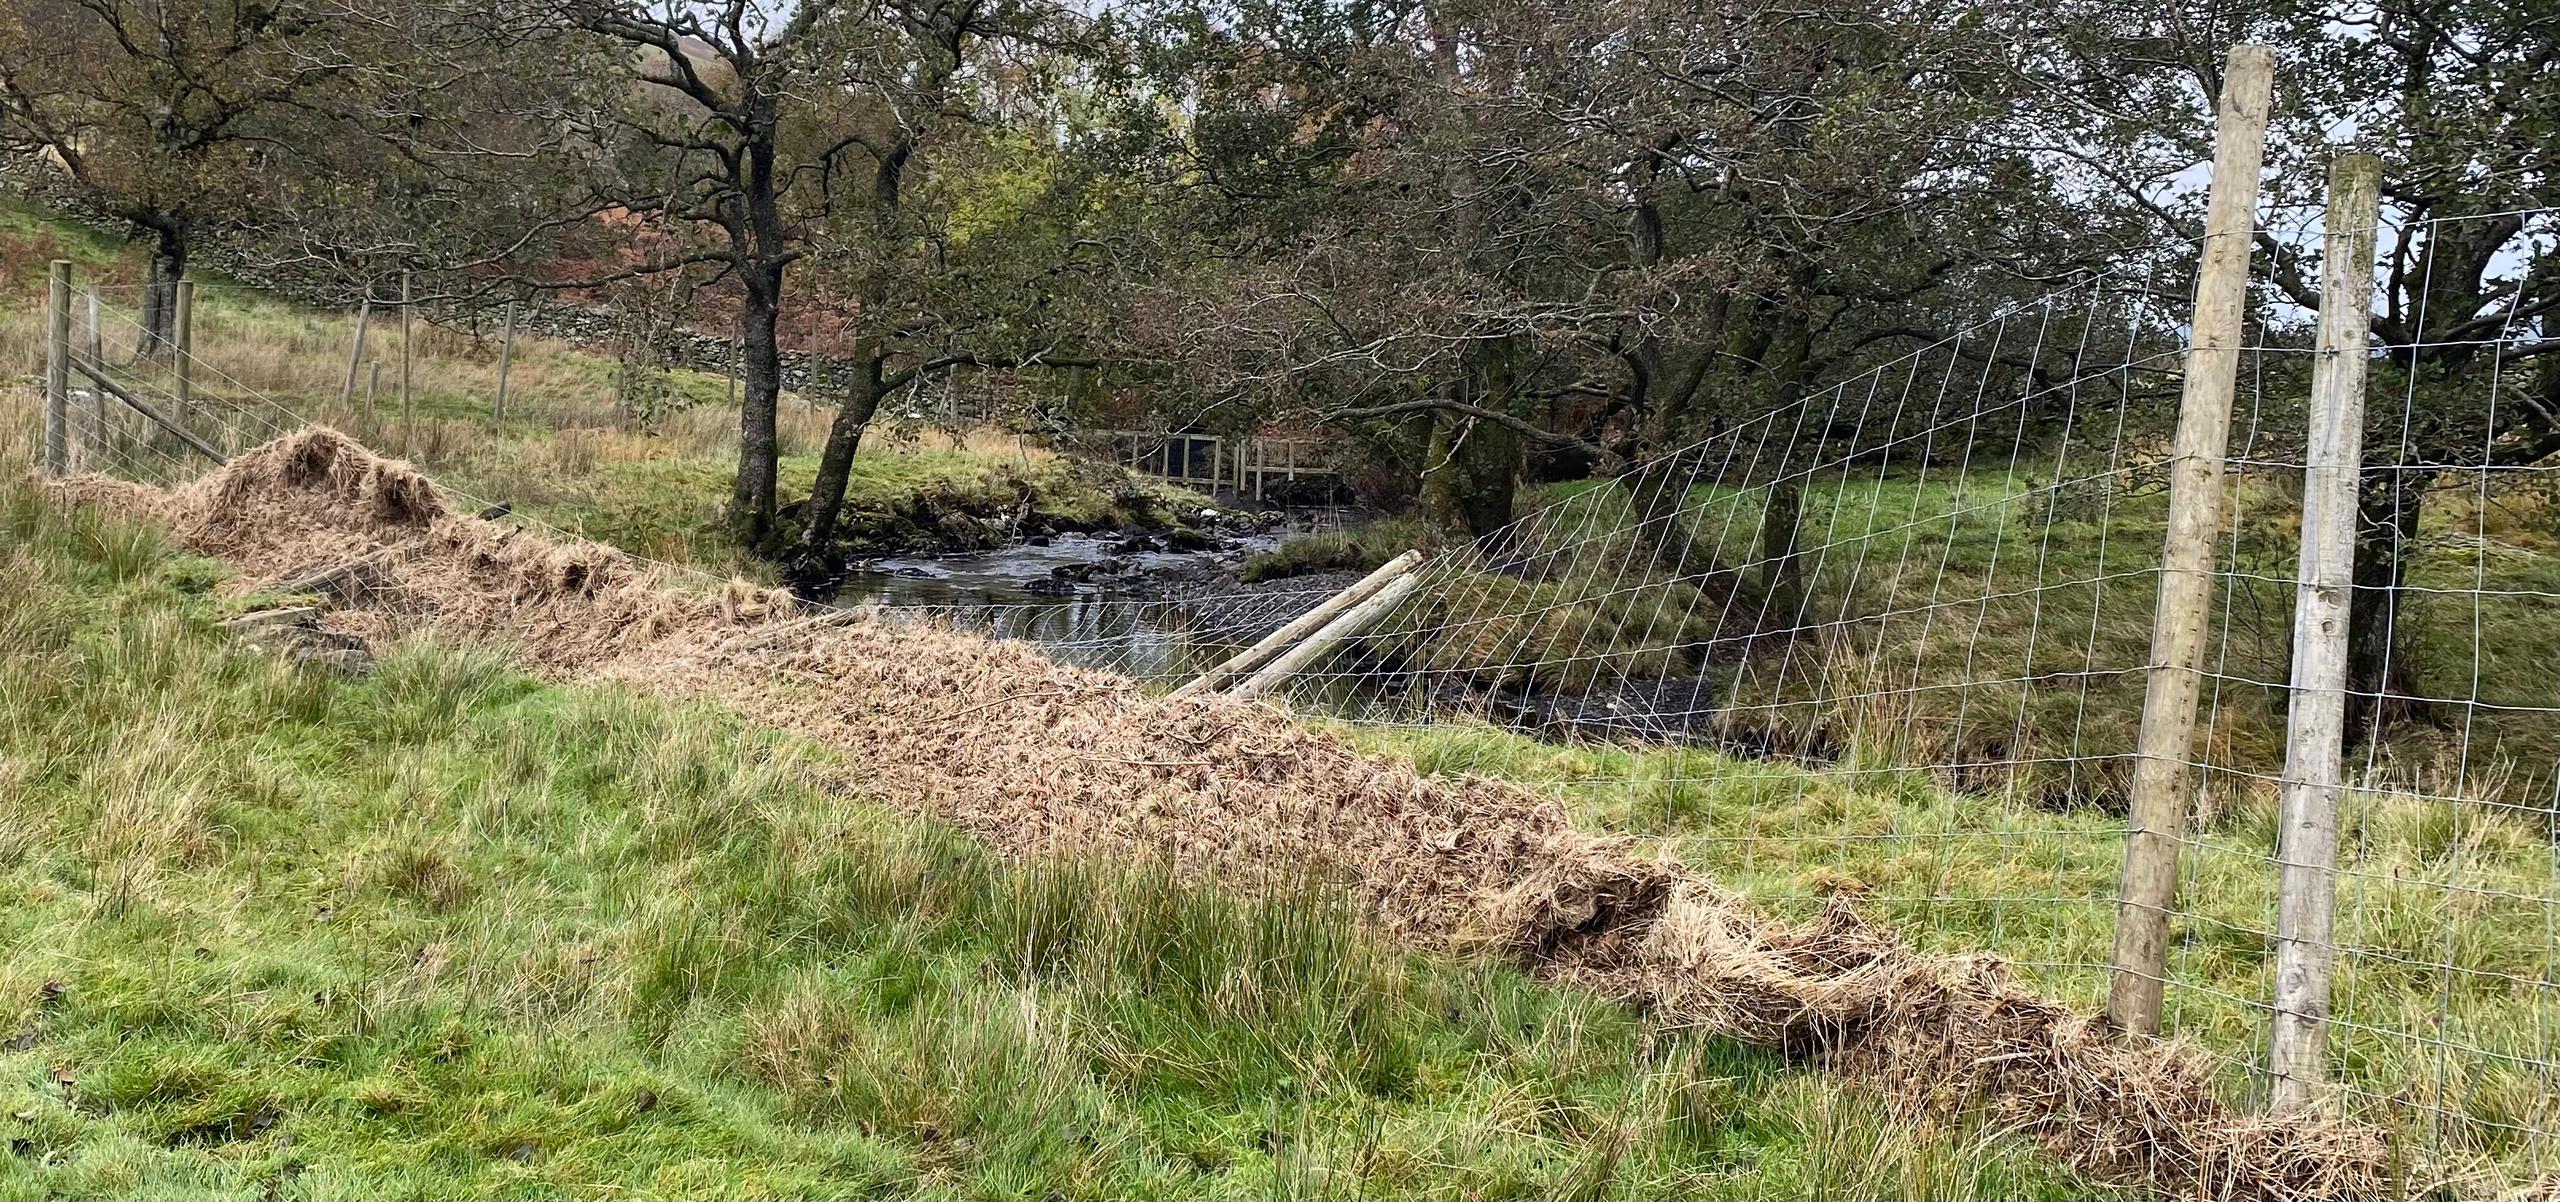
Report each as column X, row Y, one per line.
column 779, row 631
column 1305, row 624
column 2157, row 826
column 350, row 581
column 2315, row 728
column 1334, row 633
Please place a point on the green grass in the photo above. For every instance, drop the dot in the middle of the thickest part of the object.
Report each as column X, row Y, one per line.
column 2001, row 626
column 654, row 482
column 2445, row 911
column 35, row 237
column 670, row 506
column 444, row 931
column 1360, row 549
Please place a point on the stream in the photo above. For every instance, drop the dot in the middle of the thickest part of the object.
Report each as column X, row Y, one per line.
column 1102, row 601
column 1113, row 601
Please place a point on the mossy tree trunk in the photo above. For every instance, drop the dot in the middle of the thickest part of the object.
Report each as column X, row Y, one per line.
column 1471, row 467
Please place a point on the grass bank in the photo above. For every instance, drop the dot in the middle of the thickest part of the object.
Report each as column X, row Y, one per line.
column 2444, row 1000
column 1359, row 549
column 1994, row 628
column 443, row 931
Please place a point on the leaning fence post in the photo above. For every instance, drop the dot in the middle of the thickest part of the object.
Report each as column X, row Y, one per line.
column 1333, row 634
column 2158, row 820
column 184, row 334
column 2315, row 730
column 1306, row 624
column 57, row 371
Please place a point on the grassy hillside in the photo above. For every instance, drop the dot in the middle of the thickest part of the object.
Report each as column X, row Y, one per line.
column 653, row 480
column 446, row 932
column 2444, row 911
column 1994, row 628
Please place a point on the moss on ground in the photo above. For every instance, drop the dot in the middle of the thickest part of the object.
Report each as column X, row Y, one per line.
column 1359, row 549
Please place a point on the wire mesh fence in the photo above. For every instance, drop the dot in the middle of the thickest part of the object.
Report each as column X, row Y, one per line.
column 1891, row 639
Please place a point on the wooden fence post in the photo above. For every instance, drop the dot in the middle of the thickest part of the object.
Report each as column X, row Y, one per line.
column 372, row 395
column 93, row 441
column 1306, row 624
column 57, row 370
column 184, row 334
column 408, row 415
column 1333, row 634
column 506, row 359
column 2157, row 824
column 2315, row 734
column 355, row 353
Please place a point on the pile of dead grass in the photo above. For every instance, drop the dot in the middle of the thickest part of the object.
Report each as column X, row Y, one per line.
column 1041, row 759
column 302, row 504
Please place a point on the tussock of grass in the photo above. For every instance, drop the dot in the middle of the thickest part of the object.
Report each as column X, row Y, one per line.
column 444, row 931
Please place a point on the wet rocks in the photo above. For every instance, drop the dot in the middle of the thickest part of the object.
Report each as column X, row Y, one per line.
column 1090, row 572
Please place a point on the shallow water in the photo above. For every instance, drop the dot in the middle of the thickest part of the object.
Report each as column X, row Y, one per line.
column 1138, row 612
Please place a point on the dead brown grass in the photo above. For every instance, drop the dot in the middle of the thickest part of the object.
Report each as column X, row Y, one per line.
column 1040, row 759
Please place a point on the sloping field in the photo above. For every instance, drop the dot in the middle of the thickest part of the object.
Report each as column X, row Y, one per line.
column 1037, row 759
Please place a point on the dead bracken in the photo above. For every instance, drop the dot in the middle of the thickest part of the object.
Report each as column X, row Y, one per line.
column 1039, row 759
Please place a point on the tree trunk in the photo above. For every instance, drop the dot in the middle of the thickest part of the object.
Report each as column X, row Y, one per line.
column 1788, row 366
column 1657, row 497
column 1471, row 476
column 752, row 503
column 835, row 466
column 1781, row 571
column 159, row 316
column 2381, row 691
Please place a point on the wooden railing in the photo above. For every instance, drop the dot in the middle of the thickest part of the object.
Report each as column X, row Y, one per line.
column 1215, row 462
